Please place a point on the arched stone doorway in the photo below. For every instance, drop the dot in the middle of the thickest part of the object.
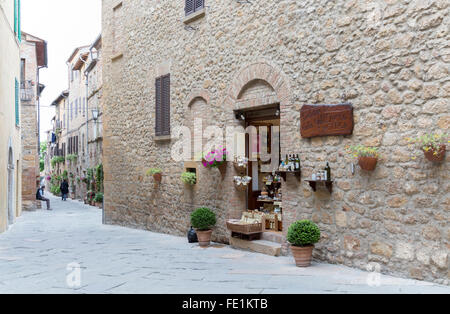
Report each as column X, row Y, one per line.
column 10, row 212
column 260, row 92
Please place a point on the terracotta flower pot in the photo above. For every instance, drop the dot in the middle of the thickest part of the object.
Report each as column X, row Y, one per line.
column 431, row 156
column 302, row 255
column 157, row 177
column 368, row 163
column 204, row 237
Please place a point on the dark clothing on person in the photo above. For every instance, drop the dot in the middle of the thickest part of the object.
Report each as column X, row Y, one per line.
column 64, row 190
column 65, row 187
column 40, row 197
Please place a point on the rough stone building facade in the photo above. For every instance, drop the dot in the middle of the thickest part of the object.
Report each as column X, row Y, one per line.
column 33, row 55
column 390, row 59
column 10, row 123
column 79, row 132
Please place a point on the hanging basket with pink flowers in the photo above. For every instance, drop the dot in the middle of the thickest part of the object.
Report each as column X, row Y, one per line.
column 216, row 158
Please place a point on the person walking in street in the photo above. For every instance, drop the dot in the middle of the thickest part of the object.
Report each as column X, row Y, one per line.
column 64, row 189
column 40, row 197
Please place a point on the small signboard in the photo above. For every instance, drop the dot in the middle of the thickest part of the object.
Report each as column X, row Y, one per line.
column 326, row 120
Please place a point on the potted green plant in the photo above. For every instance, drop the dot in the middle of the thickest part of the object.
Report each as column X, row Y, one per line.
column 302, row 235
column 189, row 178
column 156, row 173
column 433, row 146
column 367, row 156
column 203, row 219
column 98, row 199
column 90, row 195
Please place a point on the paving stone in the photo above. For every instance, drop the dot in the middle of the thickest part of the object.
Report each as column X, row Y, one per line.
column 116, row 260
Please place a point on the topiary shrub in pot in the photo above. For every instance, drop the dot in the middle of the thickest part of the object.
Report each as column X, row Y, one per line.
column 203, row 219
column 302, row 235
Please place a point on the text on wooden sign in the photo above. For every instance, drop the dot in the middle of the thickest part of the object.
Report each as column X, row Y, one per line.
column 326, row 120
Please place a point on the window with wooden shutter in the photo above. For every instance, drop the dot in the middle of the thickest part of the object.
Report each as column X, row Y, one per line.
column 162, row 120
column 192, row 6
column 17, row 101
column 189, row 7
column 199, row 4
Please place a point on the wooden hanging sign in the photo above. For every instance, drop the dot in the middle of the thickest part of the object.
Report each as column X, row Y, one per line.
column 326, row 120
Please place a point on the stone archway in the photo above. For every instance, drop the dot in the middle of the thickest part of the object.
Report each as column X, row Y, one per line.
column 255, row 86
column 266, row 73
column 10, row 198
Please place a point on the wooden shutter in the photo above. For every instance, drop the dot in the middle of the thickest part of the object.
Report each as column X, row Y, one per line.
column 190, row 7
column 199, row 4
column 166, row 104
column 158, row 106
column 17, row 101
column 162, row 121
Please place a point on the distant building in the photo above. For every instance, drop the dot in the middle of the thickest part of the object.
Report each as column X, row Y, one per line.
column 10, row 119
column 77, row 125
column 33, row 56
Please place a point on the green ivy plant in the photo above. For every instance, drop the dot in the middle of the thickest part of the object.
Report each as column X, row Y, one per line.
column 99, row 177
column 98, row 198
column 189, row 178
column 72, row 157
column 203, row 219
column 303, row 233
column 57, row 160
column 89, row 178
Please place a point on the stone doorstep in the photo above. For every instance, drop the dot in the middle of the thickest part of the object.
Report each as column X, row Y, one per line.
column 273, row 237
column 258, row 246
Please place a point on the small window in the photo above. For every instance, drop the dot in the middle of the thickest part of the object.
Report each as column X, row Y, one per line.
column 192, row 6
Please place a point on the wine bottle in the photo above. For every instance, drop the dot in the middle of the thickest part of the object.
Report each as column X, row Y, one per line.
column 328, row 170
column 297, row 163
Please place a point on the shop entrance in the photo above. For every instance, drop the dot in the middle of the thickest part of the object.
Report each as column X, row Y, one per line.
column 262, row 145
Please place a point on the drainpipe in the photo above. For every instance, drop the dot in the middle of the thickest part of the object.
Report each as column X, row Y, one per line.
column 39, row 108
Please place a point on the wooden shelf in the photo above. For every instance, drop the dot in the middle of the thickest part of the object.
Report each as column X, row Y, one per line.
column 266, row 201
column 283, row 174
column 328, row 185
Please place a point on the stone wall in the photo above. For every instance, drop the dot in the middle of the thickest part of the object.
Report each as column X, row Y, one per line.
column 390, row 59
column 28, row 115
column 10, row 203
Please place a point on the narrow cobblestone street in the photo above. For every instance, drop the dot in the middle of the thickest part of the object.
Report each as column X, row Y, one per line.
column 36, row 251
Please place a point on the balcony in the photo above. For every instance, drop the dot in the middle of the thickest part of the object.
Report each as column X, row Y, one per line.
column 26, row 90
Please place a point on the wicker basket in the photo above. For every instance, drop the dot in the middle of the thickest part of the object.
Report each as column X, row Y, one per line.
column 235, row 226
column 240, row 169
column 241, row 187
